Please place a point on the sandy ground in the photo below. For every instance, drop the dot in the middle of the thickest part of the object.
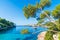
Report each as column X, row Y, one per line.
column 42, row 35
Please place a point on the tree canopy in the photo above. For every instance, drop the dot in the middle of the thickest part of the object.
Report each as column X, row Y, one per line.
column 50, row 19
column 5, row 24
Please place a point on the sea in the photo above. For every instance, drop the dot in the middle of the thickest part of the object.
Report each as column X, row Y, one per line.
column 15, row 33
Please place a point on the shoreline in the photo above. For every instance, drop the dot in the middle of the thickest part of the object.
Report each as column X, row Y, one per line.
column 42, row 35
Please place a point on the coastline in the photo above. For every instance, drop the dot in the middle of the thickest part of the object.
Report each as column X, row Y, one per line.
column 42, row 35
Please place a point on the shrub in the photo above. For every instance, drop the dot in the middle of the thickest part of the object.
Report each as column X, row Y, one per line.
column 24, row 31
column 49, row 35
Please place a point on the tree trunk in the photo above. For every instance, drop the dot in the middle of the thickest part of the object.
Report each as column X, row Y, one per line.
column 51, row 20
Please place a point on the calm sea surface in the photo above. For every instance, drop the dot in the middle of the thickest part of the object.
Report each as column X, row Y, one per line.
column 14, row 34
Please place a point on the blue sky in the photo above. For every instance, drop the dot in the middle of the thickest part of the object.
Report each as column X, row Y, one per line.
column 12, row 10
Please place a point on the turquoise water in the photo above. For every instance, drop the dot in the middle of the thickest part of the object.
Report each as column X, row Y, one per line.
column 14, row 34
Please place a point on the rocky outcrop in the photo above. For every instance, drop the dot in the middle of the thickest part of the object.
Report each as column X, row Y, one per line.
column 42, row 35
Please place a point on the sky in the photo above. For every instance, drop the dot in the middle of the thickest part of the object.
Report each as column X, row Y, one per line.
column 12, row 10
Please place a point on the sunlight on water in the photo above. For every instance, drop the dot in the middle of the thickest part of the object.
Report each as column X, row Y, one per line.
column 14, row 34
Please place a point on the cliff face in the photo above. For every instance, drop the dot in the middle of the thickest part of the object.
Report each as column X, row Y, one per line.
column 42, row 35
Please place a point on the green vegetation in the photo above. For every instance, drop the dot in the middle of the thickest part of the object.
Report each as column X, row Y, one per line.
column 4, row 24
column 49, row 19
column 49, row 35
column 59, row 35
column 25, row 31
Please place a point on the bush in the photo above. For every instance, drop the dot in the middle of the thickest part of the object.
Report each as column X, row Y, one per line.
column 24, row 31
column 59, row 36
column 49, row 35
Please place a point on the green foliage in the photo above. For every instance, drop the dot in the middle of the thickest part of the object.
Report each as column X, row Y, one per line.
column 53, row 24
column 49, row 23
column 49, row 36
column 26, row 15
column 26, row 12
column 42, row 15
column 44, row 3
column 58, row 24
column 59, row 35
column 37, row 5
column 29, row 11
column 4, row 23
column 40, row 21
column 24, row 31
column 47, row 12
column 58, row 7
column 56, row 13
